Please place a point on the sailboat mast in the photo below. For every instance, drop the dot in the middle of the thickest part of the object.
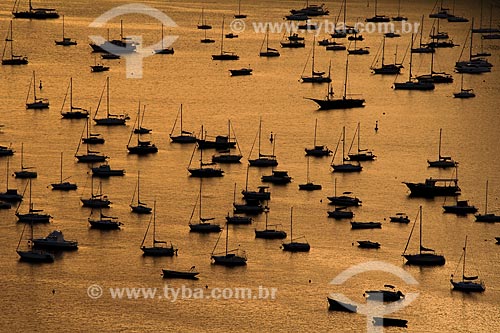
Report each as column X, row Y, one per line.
column 246, row 181
column 138, row 186
column 439, row 149
column 227, row 236
column 312, row 67
column 343, row 143
column 70, row 94
column 399, row 8
column 34, row 87
column 383, row 51
column 345, row 80
column 471, row 34
column 375, row 7
column 154, row 223
column 63, row 26
column 420, row 238
column 61, row 165
column 486, row 200
column 411, row 58
column 222, row 36
column 315, row 127
column 200, row 198
column 260, row 130
column 107, row 97
column 359, row 129
column 181, row 119
column 421, row 30
column 307, row 171
column 465, row 250
column 291, row 224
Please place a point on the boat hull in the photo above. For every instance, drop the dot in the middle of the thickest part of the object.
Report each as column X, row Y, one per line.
column 423, row 190
column 35, row 256
column 204, row 228
column 334, row 305
column 155, row 251
column 141, row 209
column 183, row 139
column 310, row 187
column 468, row 286
column 33, row 218
column 491, row 218
column 425, row 259
column 229, row 260
column 341, row 103
column 104, row 224
column 66, row 186
column 270, row 234
column 171, row 274
column 296, row 247
column 206, row 172
column 366, row 225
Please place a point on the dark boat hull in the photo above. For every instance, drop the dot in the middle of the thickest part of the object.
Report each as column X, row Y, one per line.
column 425, row 259
column 341, row 103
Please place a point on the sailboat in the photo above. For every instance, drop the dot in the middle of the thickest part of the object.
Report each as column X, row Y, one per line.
column 74, row 112
column 239, row 15
column 205, row 169
column 413, row 84
column 464, row 93
column 164, row 50
column 140, row 207
column 316, row 77
column 110, row 119
column 356, row 50
column 475, row 64
column 225, row 156
column 158, row 248
column 317, row 150
column 32, row 254
column 65, row 41
column 423, row 48
column 309, row 186
column 91, row 138
column 224, row 55
column 425, row 256
column 468, row 283
column 386, row 68
column 14, row 59
column 63, row 185
column 143, row 147
column 97, row 200
column 443, row 161
column 10, row 194
column 293, row 245
column 441, row 13
column 361, row 154
column 91, row 156
column 453, row 18
column 262, row 194
column 344, row 167
column 104, row 222
column 378, row 18
column 202, row 24
column 33, row 215
column 435, row 77
column 331, row 103
column 263, row 160
column 184, row 136
column 24, row 173
column 268, row 52
column 238, row 219
column 399, row 17
column 38, row 103
column 343, row 201
column 487, row 217
column 229, row 258
column 271, row 231
column 203, row 226
column 34, row 13
column 116, row 46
